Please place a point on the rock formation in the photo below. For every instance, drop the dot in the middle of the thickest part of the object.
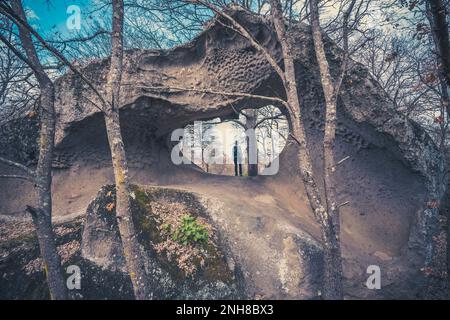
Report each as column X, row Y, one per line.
column 394, row 169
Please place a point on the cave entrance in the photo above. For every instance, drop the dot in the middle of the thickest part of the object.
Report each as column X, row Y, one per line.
column 246, row 144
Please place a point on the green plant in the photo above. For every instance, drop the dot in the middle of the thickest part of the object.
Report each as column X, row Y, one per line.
column 190, row 231
column 165, row 227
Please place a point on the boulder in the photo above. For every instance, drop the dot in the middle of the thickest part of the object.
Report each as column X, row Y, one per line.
column 180, row 271
column 281, row 265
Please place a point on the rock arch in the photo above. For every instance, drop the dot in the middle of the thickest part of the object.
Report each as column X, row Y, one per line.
column 394, row 169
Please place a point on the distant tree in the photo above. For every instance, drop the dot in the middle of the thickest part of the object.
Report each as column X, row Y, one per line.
column 197, row 138
column 250, row 120
column 19, row 90
column 272, row 131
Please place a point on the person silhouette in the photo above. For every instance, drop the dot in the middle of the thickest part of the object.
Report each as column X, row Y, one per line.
column 237, row 158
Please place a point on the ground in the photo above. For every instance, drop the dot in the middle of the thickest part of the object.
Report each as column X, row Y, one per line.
column 261, row 228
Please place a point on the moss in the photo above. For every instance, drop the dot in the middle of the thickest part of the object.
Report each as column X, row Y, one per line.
column 216, row 267
column 144, row 218
column 149, row 224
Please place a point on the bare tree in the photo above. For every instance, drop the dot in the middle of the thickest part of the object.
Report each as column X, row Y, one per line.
column 331, row 90
column 332, row 288
column 42, row 176
column 415, row 69
column 436, row 12
column 270, row 134
column 110, row 107
column 332, row 277
column 19, row 92
column 132, row 253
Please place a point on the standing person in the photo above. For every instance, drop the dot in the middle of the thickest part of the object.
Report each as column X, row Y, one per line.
column 237, row 158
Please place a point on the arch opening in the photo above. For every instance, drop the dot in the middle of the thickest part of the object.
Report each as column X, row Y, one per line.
column 247, row 144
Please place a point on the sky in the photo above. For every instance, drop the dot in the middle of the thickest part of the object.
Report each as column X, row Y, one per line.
column 50, row 16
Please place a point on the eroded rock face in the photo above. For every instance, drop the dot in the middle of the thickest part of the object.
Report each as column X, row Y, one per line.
column 278, row 260
column 167, row 89
column 101, row 239
column 18, row 140
column 300, row 268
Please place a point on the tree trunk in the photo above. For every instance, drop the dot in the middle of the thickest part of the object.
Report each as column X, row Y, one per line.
column 42, row 216
column 437, row 16
column 332, row 288
column 252, row 147
column 131, row 249
column 436, row 12
column 333, row 226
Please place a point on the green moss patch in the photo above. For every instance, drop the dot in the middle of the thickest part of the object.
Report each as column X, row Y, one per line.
column 174, row 224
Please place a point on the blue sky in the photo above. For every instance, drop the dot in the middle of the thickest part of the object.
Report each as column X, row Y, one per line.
column 51, row 15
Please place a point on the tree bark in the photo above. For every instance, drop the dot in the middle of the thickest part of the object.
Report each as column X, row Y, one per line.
column 333, row 269
column 252, row 147
column 332, row 288
column 42, row 216
column 132, row 253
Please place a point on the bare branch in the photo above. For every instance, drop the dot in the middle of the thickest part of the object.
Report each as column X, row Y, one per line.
column 223, row 93
column 295, row 139
column 18, row 165
column 17, row 52
column 342, row 160
column 4, row 9
column 82, row 39
column 344, row 204
column 275, row 117
column 344, row 62
column 15, row 176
